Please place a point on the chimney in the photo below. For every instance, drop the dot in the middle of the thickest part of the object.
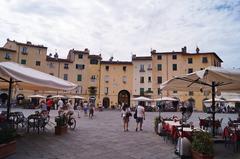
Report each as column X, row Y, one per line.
column 184, row 49
column 134, row 56
column 197, row 50
column 153, row 52
column 29, row 42
column 56, row 55
column 86, row 50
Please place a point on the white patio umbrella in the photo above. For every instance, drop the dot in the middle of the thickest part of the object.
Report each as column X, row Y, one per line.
column 141, row 98
column 14, row 74
column 234, row 100
column 58, row 96
column 165, row 99
column 216, row 100
column 36, row 96
column 211, row 78
column 76, row 97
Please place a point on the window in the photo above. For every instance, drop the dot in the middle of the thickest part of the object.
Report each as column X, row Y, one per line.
column 141, row 79
column 124, row 79
column 38, row 63
column 107, row 68
column 149, row 79
column 159, row 79
column 65, row 77
column 149, row 89
column 190, row 93
column 24, row 50
column 175, row 92
column 80, row 66
column 190, row 60
column 159, row 91
column 174, row 57
column 204, row 60
column 159, row 66
column 66, row 66
column 80, row 56
column 149, row 67
column 79, row 77
column 8, row 56
column 51, row 65
column 201, row 68
column 106, row 90
column 124, row 68
column 93, row 78
column 141, row 91
column 51, row 74
column 106, row 78
column 23, row 61
column 174, row 67
column 159, row 57
column 190, row 70
column 141, row 68
column 93, row 61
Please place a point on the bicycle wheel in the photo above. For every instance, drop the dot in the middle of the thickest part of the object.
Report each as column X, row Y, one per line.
column 72, row 123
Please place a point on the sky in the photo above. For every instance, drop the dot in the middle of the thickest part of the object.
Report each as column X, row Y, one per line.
column 125, row 27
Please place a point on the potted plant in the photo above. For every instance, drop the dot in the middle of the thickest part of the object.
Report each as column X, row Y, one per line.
column 7, row 140
column 202, row 145
column 157, row 120
column 61, row 125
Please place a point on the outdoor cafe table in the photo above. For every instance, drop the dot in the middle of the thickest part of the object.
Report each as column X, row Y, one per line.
column 35, row 121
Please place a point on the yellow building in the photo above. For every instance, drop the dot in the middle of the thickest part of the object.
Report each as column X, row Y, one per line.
column 112, row 83
column 116, row 83
column 166, row 65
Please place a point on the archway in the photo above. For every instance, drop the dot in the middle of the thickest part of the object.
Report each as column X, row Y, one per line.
column 191, row 102
column 106, row 102
column 124, row 97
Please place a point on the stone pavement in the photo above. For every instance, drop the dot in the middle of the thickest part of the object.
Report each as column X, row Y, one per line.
column 103, row 138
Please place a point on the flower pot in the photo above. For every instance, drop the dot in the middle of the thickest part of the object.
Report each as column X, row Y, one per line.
column 197, row 155
column 7, row 149
column 59, row 130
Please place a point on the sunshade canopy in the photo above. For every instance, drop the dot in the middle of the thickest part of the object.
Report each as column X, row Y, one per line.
column 216, row 100
column 30, row 79
column 165, row 99
column 226, row 80
column 58, row 96
column 36, row 96
column 141, row 99
column 233, row 100
column 76, row 97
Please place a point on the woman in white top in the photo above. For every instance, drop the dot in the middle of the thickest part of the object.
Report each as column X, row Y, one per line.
column 126, row 113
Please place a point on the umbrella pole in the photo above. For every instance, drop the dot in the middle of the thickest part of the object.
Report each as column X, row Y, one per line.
column 9, row 98
column 213, row 107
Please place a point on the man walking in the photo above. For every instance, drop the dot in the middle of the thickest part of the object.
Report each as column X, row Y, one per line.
column 140, row 115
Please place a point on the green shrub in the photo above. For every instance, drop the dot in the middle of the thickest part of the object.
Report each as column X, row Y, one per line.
column 202, row 143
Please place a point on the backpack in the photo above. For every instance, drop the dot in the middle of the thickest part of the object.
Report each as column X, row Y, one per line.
column 135, row 114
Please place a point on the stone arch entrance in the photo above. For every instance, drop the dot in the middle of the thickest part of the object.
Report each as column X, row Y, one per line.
column 106, row 102
column 124, row 97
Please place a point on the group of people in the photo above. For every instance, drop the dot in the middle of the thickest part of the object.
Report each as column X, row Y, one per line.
column 139, row 116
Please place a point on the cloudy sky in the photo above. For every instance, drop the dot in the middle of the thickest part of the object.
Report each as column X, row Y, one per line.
column 125, row 27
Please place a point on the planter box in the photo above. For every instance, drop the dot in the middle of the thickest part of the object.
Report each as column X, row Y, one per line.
column 197, row 155
column 59, row 130
column 7, row 149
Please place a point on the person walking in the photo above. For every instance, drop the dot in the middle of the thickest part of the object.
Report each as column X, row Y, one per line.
column 126, row 113
column 91, row 110
column 140, row 116
column 85, row 107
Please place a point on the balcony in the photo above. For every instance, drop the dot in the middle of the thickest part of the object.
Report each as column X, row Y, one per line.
column 141, row 70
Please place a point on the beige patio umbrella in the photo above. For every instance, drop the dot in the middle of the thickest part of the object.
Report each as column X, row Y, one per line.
column 141, row 98
column 36, row 96
column 76, row 97
column 165, row 99
column 211, row 78
column 14, row 74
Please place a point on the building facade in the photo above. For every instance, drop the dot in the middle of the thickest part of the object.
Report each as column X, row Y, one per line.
column 113, row 83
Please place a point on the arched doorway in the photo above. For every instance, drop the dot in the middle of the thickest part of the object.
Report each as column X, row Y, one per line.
column 106, row 102
column 191, row 102
column 124, row 97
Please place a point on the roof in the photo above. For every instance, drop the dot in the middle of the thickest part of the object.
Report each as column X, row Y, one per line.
column 27, row 44
column 5, row 49
column 58, row 59
column 192, row 54
column 141, row 58
column 78, row 51
column 117, row 62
